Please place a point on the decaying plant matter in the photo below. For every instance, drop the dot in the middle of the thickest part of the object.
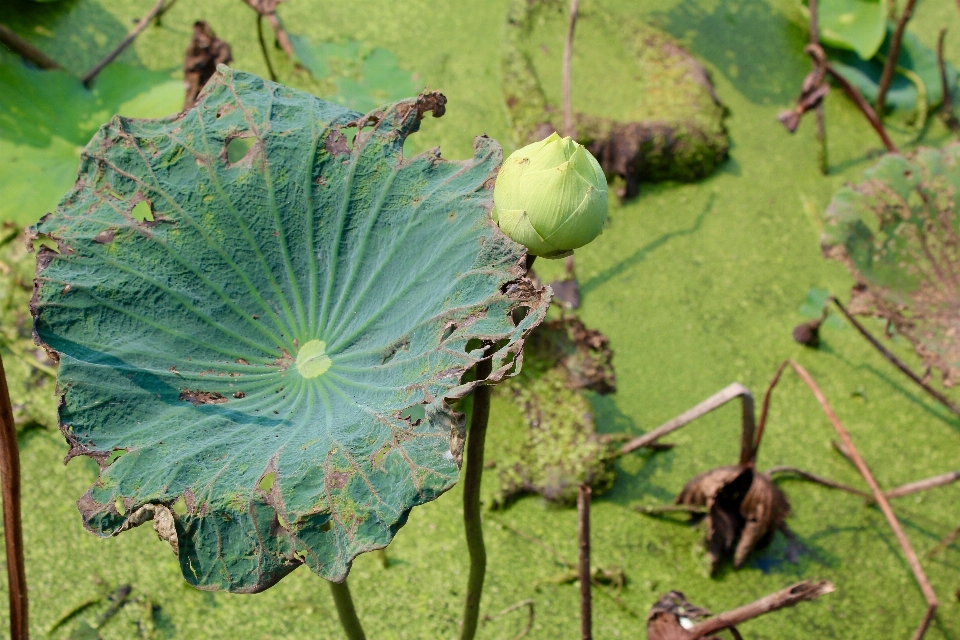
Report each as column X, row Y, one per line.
column 204, row 53
column 898, row 233
column 674, row 618
column 562, row 358
column 676, row 130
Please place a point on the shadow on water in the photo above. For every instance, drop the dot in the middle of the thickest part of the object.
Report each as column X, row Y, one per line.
column 641, row 254
column 766, row 69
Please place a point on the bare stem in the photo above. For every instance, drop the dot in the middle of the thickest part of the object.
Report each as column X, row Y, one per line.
column 282, row 36
column 939, row 397
column 864, row 107
column 806, row 475
column 923, row 485
column 788, row 597
column 821, row 124
column 567, row 58
column 735, row 390
column 472, row 524
column 946, row 106
column 25, row 50
column 346, row 611
column 878, row 495
column 12, row 525
column 110, row 57
column 583, row 518
column 890, row 66
column 263, row 47
column 943, row 544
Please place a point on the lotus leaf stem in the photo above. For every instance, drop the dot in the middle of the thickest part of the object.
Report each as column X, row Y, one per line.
column 479, row 416
column 346, row 611
column 12, row 525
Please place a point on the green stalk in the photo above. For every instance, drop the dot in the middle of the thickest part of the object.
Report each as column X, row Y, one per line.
column 471, row 501
column 346, row 611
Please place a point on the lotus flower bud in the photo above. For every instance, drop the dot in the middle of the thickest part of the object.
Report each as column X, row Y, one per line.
column 551, row 197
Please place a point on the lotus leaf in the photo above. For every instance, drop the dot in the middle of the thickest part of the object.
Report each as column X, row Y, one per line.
column 918, row 75
column 241, row 361
column 47, row 116
column 898, row 233
column 856, row 25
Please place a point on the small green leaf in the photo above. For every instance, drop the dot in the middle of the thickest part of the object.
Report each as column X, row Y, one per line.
column 253, row 349
column 857, row 25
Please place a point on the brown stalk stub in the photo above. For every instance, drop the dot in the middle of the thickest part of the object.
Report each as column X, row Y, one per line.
column 808, row 333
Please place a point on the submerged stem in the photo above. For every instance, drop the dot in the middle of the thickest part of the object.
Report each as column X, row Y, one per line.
column 346, row 611
column 471, row 501
column 12, row 526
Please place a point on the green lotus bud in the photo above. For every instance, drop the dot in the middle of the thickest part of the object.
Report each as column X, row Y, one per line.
column 551, row 197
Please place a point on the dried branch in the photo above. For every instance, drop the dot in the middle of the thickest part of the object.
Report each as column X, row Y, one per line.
column 268, row 9
column 878, row 495
column 806, row 475
column 12, row 524
column 923, row 485
column 788, row 597
column 943, row 544
column 157, row 10
column 946, row 106
column 939, row 397
column 864, row 106
column 583, row 530
column 735, row 390
column 25, row 50
column 567, row 57
column 890, row 66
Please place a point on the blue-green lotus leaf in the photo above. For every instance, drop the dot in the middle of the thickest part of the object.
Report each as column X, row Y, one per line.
column 856, row 25
column 239, row 356
column 898, row 232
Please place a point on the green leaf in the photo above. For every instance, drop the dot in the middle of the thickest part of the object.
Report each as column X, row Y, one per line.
column 914, row 57
column 192, row 343
column 47, row 116
column 898, row 233
column 856, row 25
column 361, row 78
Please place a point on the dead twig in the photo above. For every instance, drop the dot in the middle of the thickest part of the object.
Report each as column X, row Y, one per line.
column 939, row 397
column 157, row 10
column 788, row 597
column 806, row 475
column 890, row 66
column 929, row 595
column 531, row 617
column 923, row 485
column 943, row 544
column 583, row 530
column 12, row 525
column 946, row 106
column 268, row 9
column 567, row 59
column 664, row 620
column 735, row 390
column 25, row 50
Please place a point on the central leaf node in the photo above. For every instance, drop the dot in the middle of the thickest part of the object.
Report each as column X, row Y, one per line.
column 312, row 359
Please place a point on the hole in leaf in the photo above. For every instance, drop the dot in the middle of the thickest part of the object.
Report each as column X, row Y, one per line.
column 415, row 413
column 179, row 507
column 378, row 459
column 326, row 526
column 473, row 344
column 115, row 455
column 45, row 241
column 141, row 212
column 118, row 503
column 392, row 353
column 448, row 331
column 238, row 148
column 266, row 482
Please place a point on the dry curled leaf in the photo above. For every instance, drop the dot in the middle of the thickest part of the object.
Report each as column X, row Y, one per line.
column 204, row 53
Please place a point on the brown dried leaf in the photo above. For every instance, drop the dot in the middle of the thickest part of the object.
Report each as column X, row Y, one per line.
column 204, row 53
